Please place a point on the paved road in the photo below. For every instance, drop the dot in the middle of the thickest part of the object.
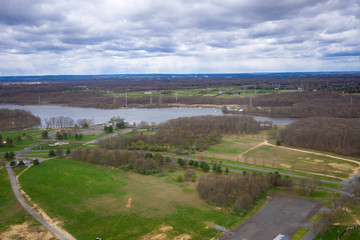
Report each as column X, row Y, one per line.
column 281, row 215
column 61, row 234
column 14, row 184
column 121, row 132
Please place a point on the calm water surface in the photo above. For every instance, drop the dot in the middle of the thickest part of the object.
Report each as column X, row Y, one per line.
column 156, row 115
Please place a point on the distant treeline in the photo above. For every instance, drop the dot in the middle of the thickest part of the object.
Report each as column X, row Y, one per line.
column 185, row 135
column 95, row 91
column 344, row 81
column 328, row 134
column 309, row 104
column 17, row 120
column 238, row 191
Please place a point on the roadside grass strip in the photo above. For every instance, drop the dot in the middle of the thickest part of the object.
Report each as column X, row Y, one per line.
column 299, row 234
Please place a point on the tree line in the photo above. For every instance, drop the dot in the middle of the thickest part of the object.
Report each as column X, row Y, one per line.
column 185, row 135
column 59, row 122
column 126, row 160
column 17, row 119
column 337, row 135
column 308, row 104
column 238, row 191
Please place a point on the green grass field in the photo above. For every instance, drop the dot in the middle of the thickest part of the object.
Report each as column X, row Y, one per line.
column 11, row 211
column 334, row 232
column 233, row 145
column 25, row 141
column 91, row 202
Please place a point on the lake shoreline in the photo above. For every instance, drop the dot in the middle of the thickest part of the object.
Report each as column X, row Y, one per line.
column 150, row 115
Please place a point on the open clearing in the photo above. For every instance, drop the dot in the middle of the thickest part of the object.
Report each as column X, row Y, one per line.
column 288, row 159
column 232, row 146
column 281, row 215
column 90, row 200
column 252, row 150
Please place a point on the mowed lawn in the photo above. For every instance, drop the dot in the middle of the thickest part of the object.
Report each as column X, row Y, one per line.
column 91, row 201
column 26, row 141
column 11, row 212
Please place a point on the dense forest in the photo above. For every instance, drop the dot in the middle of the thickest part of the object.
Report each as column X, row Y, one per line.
column 185, row 135
column 17, row 119
column 308, row 104
column 337, row 135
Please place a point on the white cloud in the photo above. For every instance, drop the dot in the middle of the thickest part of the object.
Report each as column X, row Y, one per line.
column 178, row 36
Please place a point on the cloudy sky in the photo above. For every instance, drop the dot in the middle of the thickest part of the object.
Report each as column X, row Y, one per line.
column 40, row 37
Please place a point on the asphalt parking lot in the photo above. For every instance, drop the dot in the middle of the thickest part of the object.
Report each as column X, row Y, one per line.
column 281, row 215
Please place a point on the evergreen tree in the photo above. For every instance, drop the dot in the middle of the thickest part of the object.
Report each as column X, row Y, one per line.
column 9, row 142
column 52, row 153
column 44, row 134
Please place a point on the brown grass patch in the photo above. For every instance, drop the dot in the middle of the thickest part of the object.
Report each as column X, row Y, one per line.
column 24, row 231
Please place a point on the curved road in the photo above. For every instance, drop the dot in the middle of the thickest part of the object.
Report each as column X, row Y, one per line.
column 59, row 233
column 14, row 185
column 265, row 170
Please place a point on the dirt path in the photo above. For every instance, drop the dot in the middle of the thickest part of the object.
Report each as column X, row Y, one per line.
column 17, row 177
column 250, row 149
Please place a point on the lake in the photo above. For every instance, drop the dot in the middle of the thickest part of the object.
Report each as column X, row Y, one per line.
column 131, row 115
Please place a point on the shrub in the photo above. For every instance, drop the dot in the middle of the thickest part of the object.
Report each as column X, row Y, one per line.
column 52, row 153
column 180, row 178
column 36, row 162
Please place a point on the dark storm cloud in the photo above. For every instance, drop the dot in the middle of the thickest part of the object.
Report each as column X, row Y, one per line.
column 178, row 35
